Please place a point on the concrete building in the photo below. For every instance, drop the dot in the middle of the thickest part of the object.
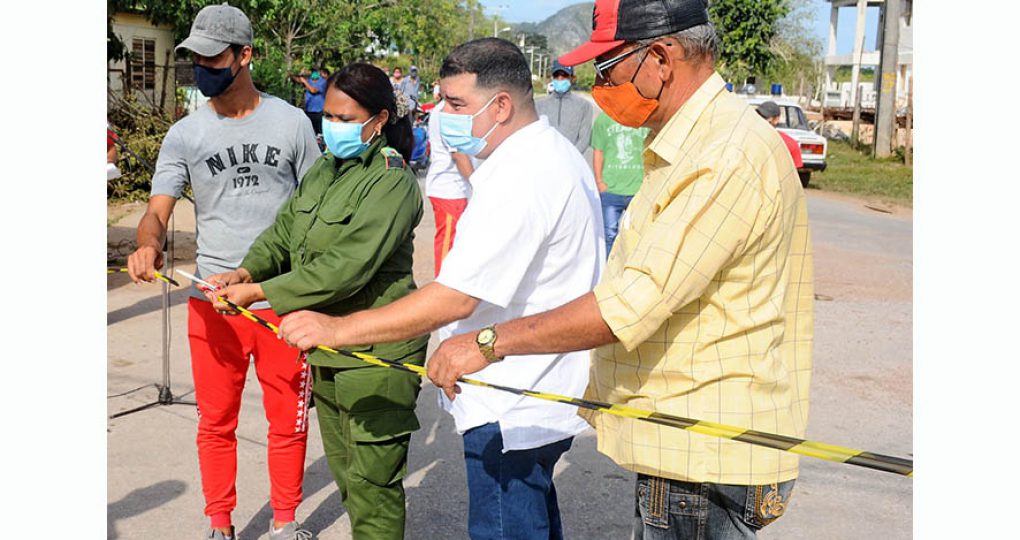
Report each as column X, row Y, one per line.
column 845, row 94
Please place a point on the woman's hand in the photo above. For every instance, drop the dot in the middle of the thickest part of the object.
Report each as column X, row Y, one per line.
column 227, row 279
column 242, row 294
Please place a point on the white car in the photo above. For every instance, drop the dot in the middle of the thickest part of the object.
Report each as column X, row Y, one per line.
column 793, row 123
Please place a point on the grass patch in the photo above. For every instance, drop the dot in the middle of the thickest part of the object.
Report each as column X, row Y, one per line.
column 850, row 171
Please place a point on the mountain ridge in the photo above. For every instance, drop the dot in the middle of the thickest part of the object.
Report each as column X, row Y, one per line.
column 563, row 30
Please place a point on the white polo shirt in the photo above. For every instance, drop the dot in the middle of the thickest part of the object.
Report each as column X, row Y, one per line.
column 443, row 180
column 530, row 240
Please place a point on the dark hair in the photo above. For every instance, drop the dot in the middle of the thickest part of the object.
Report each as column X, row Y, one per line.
column 497, row 64
column 371, row 88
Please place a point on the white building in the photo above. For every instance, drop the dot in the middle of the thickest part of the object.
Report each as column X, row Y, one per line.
column 148, row 69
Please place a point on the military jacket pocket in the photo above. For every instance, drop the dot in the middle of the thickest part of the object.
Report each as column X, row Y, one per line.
column 330, row 221
column 337, row 215
column 376, row 389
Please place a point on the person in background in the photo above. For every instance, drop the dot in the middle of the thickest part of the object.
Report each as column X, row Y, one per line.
column 315, row 95
column 436, row 92
column 111, row 146
column 706, row 307
column 354, row 218
column 112, row 172
column 411, row 87
column 769, row 110
column 446, row 186
column 397, row 77
column 243, row 154
column 569, row 113
column 616, row 158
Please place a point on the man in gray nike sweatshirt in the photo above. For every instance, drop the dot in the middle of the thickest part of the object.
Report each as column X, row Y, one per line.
column 569, row 113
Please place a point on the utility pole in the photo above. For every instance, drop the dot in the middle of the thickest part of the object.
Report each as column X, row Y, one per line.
column 471, row 24
column 495, row 19
column 908, row 150
column 885, row 111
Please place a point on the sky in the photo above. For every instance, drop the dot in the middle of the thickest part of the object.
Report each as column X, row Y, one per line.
column 517, row 11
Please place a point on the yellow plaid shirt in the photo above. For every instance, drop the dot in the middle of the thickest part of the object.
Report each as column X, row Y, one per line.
column 709, row 289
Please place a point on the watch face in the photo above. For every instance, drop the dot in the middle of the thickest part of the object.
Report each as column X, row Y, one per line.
column 486, row 336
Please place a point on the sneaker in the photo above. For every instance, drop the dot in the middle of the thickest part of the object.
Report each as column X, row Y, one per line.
column 289, row 531
column 217, row 535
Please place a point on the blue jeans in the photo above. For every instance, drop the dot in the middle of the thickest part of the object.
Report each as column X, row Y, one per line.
column 511, row 495
column 613, row 206
column 670, row 509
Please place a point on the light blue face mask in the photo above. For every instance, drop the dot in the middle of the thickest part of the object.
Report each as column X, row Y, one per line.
column 343, row 139
column 455, row 129
column 561, row 86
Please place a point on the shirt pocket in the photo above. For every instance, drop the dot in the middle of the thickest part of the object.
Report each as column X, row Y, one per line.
column 330, row 222
column 304, row 216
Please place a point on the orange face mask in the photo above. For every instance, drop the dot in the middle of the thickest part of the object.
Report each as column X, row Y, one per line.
column 624, row 104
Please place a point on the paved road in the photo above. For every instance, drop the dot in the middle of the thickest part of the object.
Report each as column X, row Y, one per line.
column 861, row 397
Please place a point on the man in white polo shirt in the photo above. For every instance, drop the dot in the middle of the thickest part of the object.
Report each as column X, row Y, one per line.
column 446, row 186
column 530, row 240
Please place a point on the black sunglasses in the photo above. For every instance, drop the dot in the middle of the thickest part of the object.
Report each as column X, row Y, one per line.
column 602, row 68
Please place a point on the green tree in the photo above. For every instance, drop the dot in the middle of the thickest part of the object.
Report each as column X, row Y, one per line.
column 290, row 35
column 747, row 30
column 797, row 50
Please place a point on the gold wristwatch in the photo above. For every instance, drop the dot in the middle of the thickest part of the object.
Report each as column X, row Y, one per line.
column 486, row 340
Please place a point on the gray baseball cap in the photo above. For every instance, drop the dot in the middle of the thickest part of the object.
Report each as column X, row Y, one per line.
column 216, row 28
column 769, row 109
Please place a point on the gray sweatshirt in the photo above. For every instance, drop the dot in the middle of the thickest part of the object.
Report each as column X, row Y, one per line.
column 570, row 114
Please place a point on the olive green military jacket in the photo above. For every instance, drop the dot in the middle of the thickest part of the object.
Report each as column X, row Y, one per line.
column 344, row 243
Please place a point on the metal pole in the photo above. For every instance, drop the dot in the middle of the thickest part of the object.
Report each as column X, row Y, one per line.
column 166, row 331
column 885, row 112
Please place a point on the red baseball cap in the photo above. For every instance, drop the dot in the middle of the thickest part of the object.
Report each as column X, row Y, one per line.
column 615, row 22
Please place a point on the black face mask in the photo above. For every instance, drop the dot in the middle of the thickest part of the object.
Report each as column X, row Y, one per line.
column 213, row 81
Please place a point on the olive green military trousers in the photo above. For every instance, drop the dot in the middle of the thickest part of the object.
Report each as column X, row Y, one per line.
column 366, row 417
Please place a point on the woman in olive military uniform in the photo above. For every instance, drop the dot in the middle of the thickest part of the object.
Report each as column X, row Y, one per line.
column 343, row 243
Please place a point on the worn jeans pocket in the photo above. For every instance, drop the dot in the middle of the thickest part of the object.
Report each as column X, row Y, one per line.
column 657, row 499
column 767, row 503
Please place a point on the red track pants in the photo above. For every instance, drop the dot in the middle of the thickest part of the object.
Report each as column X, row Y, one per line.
column 220, row 350
column 447, row 212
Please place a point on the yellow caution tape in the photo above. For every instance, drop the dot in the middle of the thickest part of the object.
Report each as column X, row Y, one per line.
column 828, row 452
column 157, row 274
